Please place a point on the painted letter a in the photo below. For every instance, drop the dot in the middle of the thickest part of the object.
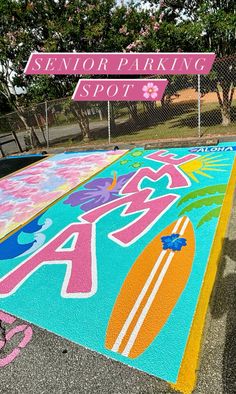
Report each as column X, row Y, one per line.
column 73, row 246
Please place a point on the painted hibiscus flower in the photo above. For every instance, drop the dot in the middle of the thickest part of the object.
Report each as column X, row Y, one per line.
column 98, row 192
column 23, row 192
column 83, row 160
column 34, row 180
column 6, row 207
column 173, row 242
column 150, row 90
column 7, row 185
column 37, row 169
column 69, row 176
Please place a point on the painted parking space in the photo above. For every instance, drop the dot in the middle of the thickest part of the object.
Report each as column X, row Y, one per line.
column 126, row 259
column 26, row 192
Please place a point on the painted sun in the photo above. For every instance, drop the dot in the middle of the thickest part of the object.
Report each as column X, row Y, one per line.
column 202, row 165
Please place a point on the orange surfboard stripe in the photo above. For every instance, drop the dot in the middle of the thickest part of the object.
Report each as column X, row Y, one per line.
column 130, row 331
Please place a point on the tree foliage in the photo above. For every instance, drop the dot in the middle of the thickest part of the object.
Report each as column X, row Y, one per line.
column 204, row 26
column 106, row 26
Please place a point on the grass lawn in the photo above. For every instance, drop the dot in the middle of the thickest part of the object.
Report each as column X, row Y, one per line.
column 176, row 121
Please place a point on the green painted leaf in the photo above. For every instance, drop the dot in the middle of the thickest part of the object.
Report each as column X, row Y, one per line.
column 214, row 213
column 202, row 192
column 137, row 153
column 136, row 165
column 203, row 202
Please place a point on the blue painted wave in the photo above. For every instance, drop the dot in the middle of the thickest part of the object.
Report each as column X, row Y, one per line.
column 12, row 247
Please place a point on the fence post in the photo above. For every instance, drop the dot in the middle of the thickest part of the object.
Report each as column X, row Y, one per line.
column 46, row 120
column 109, row 122
column 15, row 136
column 199, row 104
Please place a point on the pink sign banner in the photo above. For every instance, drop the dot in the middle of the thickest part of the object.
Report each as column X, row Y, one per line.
column 119, row 63
column 120, row 89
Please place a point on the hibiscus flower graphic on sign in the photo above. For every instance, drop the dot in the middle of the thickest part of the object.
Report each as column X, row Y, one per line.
column 150, row 90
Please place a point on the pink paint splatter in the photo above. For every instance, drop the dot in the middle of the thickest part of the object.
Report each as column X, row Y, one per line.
column 34, row 180
column 22, row 328
column 23, row 192
column 8, row 206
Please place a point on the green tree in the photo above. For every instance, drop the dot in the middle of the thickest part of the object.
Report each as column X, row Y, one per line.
column 62, row 26
column 44, row 25
column 203, row 26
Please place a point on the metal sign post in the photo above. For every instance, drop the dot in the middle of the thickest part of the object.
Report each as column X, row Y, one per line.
column 199, row 104
column 46, row 120
column 109, row 122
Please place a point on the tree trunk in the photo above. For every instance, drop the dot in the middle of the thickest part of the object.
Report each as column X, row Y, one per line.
column 132, row 106
column 150, row 105
column 83, row 121
column 22, row 118
column 225, row 113
column 225, row 103
column 31, row 139
column 112, row 118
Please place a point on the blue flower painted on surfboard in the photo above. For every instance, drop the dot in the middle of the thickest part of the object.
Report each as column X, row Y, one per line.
column 173, row 242
column 17, row 244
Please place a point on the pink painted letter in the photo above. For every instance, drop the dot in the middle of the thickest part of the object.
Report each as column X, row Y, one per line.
column 80, row 277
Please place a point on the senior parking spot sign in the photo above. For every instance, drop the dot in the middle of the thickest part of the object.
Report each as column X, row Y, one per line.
column 119, row 64
column 120, row 90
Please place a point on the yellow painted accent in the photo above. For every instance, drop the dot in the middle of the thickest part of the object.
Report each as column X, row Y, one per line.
column 199, row 172
column 188, row 372
column 199, row 166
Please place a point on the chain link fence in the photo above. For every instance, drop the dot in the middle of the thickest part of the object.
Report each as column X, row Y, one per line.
column 192, row 106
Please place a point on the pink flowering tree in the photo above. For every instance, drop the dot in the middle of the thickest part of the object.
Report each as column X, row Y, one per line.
column 63, row 26
column 67, row 26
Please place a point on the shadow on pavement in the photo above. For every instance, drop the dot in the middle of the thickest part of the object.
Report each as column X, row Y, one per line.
column 223, row 302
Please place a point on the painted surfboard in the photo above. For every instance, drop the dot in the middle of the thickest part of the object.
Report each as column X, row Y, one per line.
column 151, row 290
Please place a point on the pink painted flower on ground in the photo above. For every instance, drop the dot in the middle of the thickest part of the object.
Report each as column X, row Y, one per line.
column 150, row 90
column 3, row 224
column 40, row 198
column 34, row 179
column 68, row 174
column 22, row 216
column 7, row 185
column 119, row 152
column 36, row 169
column 44, row 164
column 84, row 160
column 23, row 192
column 5, row 207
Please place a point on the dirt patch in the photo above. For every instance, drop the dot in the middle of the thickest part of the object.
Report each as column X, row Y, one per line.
column 191, row 94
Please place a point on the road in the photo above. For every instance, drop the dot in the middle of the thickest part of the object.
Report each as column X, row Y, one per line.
column 56, row 134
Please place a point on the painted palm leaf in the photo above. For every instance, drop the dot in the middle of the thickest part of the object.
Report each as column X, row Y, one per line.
column 216, row 189
column 214, row 213
column 208, row 201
